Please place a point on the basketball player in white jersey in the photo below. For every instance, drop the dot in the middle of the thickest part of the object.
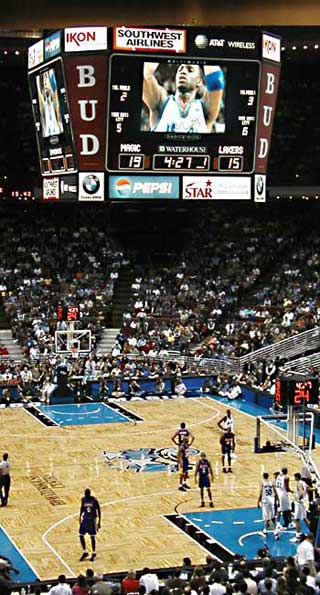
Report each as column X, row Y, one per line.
column 283, row 490
column 195, row 104
column 300, row 511
column 51, row 121
column 266, row 500
column 226, row 422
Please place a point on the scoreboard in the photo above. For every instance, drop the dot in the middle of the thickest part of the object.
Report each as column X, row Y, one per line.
column 181, row 113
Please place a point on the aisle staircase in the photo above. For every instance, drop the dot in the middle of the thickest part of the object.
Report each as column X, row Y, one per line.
column 121, row 296
column 248, row 298
column 15, row 351
column 107, row 340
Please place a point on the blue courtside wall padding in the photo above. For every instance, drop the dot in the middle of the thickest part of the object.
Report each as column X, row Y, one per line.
column 9, row 550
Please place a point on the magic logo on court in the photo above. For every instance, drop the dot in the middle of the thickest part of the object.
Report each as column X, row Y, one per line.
column 146, row 459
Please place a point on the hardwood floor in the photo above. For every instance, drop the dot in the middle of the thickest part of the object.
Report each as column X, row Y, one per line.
column 51, row 467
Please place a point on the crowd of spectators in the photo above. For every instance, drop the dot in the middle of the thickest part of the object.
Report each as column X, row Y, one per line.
column 47, row 265
column 180, row 307
column 238, row 286
column 291, row 576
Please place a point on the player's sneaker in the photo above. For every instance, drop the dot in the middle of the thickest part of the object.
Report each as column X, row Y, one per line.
column 211, row 505
column 186, row 486
column 229, row 470
column 224, row 470
column 276, row 536
column 265, row 532
column 84, row 556
column 93, row 557
column 292, row 525
column 294, row 539
column 182, row 489
column 279, row 527
column 202, row 504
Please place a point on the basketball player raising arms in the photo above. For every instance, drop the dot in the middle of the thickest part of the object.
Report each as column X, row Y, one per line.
column 195, row 104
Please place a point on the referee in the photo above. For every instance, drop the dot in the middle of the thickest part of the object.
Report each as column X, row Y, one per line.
column 5, row 479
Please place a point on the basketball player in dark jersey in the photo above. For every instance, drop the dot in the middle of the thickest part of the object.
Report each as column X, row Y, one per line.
column 90, row 522
column 227, row 446
column 183, row 464
column 181, row 434
column 204, row 471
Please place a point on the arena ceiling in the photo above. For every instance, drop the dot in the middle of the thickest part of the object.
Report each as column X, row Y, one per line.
column 24, row 14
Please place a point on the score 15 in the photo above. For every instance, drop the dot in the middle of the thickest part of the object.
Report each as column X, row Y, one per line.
column 230, row 163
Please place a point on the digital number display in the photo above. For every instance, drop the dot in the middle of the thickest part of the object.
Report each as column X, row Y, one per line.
column 180, row 111
column 302, row 392
column 297, row 392
column 128, row 161
column 68, row 313
column 230, row 163
column 181, row 162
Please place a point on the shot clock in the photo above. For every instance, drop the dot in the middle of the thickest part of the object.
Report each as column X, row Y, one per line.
column 297, row 391
column 68, row 313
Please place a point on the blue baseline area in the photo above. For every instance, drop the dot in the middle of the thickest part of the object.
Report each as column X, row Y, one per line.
column 256, row 410
column 82, row 414
column 240, row 531
column 9, row 550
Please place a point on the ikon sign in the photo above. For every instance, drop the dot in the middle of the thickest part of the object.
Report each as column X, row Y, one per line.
column 271, row 47
column 85, row 39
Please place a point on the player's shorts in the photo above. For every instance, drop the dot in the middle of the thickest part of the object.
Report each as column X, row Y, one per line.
column 185, row 465
column 300, row 512
column 89, row 527
column 284, row 502
column 268, row 512
column 204, row 482
column 226, row 450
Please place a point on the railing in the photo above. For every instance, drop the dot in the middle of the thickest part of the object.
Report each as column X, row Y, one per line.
column 227, row 365
column 303, row 364
column 287, row 348
column 300, row 343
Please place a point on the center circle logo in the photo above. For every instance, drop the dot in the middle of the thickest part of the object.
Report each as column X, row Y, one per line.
column 91, row 184
column 123, row 187
column 201, row 41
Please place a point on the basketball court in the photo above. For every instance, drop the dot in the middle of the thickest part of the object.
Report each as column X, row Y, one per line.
column 127, row 458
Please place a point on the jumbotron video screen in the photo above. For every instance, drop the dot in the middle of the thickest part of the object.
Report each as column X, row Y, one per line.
column 154, row 113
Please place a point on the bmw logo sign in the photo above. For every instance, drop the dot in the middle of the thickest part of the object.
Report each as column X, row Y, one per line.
column 91, row 184
column 201, row 41
column 260, row 185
